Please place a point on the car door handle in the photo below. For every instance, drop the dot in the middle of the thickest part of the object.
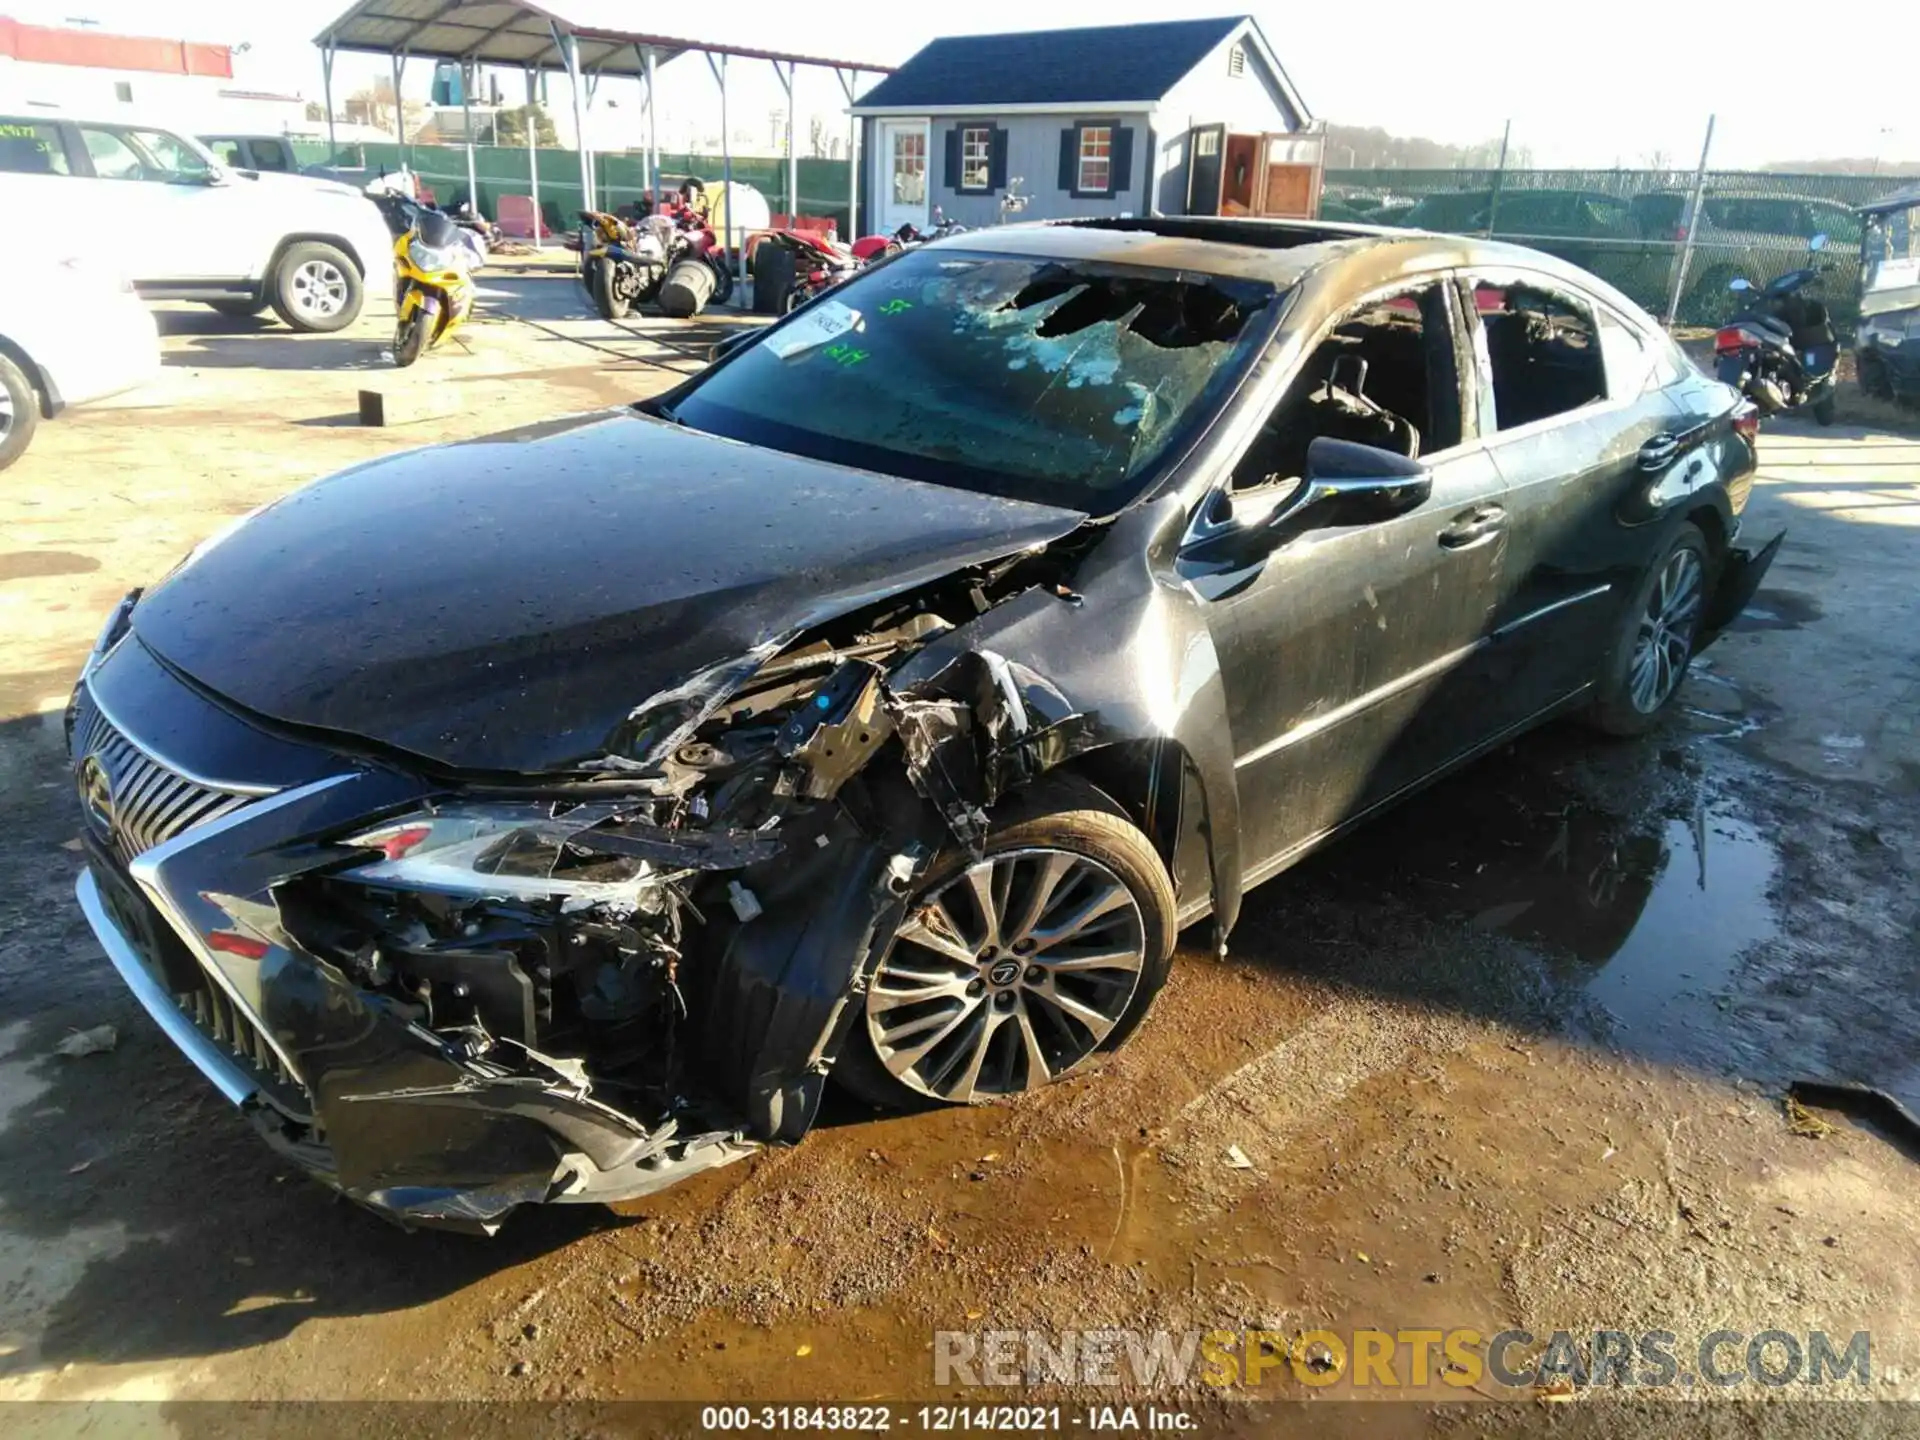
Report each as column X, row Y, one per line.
column 1480, row 523
column 1659, row 452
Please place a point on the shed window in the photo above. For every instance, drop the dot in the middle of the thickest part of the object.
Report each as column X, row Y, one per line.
column 1096, row 159
column 976, row 157
column 123, row 92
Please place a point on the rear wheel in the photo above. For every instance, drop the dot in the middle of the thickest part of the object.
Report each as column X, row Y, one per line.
column 315, row 287
column 1823, row 409
column 1013, row 970
column 1655, row 644
column 19, row 412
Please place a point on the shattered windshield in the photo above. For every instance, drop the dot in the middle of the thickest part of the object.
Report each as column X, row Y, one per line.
column 1058, row 381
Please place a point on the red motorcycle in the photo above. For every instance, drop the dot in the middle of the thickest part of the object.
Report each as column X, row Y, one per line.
column 820, row 262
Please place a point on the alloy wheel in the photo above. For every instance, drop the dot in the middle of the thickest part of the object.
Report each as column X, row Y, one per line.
column 1665, row 641
column 318, row 289
column 1008, row 976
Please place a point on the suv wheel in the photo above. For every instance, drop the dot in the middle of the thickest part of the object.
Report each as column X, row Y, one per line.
column 315, row 287
column 1013, row 970
column 19, row 412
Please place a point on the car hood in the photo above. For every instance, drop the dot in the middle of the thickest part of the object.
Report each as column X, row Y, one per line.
column 505, row 604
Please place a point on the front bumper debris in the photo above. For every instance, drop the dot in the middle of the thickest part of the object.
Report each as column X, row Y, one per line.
column 393, row 1115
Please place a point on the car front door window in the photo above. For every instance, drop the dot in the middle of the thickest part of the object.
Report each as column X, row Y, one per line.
column 114, row 158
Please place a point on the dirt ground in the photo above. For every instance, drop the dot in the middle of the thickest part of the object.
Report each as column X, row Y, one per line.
column 1513, row 1058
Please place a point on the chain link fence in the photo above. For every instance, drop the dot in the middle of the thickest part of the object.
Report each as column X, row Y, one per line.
column 1629, row 226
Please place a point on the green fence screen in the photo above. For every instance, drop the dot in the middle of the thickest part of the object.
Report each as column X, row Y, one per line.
column 1627, row 226
column 501, row 170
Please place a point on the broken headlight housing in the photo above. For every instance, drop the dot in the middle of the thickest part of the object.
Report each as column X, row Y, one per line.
column 511, row 851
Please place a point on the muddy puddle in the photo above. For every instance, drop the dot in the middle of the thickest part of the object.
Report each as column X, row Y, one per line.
column 1639, row 924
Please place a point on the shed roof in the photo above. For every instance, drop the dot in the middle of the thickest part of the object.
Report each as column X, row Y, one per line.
column 1102, row 64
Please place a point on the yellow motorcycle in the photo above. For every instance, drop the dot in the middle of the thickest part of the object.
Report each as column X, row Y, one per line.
column 433, row 289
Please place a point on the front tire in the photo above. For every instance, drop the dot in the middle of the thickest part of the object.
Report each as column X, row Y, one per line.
column 1649, row 659
column 410, row 337
column 1012, row 971
column 19, row 412
column 1823, row 409
column 315, row 288
column 605, row 286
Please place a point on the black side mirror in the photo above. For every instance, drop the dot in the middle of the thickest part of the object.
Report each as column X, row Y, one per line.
column 1346, row 484
column 723, row 348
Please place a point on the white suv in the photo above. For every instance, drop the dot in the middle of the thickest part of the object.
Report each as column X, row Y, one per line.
column 186, row 227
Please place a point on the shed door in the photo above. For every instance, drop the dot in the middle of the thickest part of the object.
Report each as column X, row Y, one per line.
column 903, row 174
column 1289, row 187
column 1205, row 143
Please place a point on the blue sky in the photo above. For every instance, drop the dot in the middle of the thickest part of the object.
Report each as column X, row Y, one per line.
column 1639, row 83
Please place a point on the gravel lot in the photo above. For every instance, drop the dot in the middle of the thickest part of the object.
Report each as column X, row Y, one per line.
column 1513, row 1058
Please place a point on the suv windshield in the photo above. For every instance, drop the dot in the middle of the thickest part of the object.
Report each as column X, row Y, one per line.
column 1053, row 380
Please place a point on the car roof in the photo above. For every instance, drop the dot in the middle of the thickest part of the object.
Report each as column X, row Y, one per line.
column 1282, row 253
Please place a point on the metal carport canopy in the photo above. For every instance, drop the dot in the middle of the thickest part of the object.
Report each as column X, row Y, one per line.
column 519, row 33
column 581, row 38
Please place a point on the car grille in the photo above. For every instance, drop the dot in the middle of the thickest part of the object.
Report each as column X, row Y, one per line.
column 133, row 802
column 144, row 803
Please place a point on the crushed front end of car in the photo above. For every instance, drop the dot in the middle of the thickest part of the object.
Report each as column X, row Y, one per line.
column 447, row 1000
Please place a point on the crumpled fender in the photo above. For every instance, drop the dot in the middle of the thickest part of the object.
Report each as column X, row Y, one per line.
column 1138, row 665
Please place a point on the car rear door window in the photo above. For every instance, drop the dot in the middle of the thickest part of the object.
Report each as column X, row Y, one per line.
column 1544, row 351
column 29, row 147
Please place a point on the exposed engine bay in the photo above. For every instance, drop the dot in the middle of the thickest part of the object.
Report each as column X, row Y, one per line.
column 675, row 933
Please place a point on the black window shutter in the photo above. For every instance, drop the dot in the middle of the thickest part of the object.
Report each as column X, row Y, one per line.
column 953, row 158
column 1122, row 168
column 997, row 159
column 1070, row 158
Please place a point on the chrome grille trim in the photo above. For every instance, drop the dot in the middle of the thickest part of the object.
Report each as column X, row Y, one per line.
column 152, row 801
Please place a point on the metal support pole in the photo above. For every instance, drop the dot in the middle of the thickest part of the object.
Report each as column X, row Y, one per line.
column 646, row 160
column 1499, row 179
column 467, row 70
column 793, row 154
column 653, row 129
column 326, row 85
column 849, row 82
column 1693, row 225
column 718, row 64
column 399, row 110
column 570, row 57
column 533, row 152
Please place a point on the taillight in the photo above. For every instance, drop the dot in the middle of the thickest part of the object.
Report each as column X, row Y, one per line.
column 1746, row 421
column 1730, row 338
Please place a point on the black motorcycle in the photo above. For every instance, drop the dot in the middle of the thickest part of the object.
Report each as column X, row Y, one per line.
column 1780, row 351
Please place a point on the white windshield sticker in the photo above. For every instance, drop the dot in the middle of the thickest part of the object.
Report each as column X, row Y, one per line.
column 828, row 320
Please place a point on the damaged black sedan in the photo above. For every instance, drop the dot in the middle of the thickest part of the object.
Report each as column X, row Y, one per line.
column 548, row 817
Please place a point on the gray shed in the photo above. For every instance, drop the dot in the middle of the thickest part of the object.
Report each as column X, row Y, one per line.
column 1173, row 117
